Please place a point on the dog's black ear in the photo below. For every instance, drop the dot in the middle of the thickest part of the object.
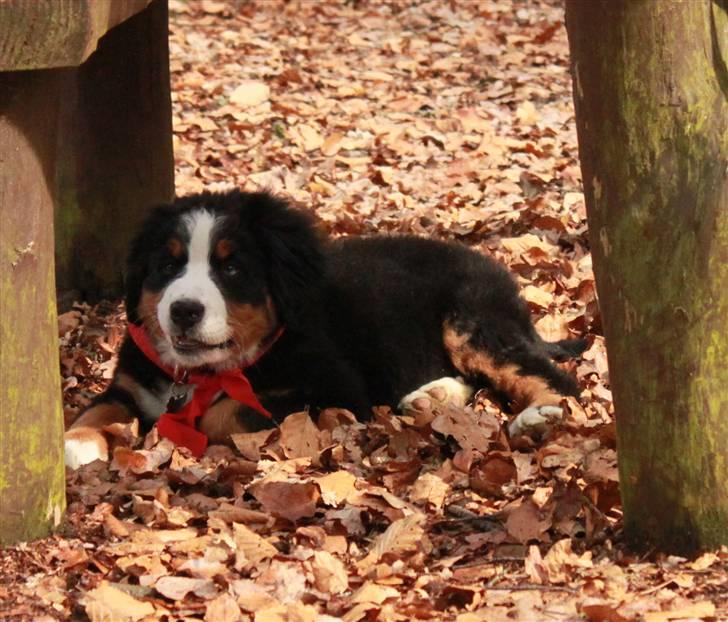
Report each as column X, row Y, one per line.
column 292, row 248
column 150, row 237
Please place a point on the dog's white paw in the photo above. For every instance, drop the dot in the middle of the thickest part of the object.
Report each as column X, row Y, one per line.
column 84, row 445
column 535, row 420
column 444, row 390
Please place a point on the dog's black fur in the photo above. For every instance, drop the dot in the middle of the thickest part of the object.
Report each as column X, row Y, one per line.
column 364, row 317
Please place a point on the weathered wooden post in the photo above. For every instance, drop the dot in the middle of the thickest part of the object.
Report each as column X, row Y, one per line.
column 651, row 95
column 31, row 422
column 44, row 99
column 116, row 138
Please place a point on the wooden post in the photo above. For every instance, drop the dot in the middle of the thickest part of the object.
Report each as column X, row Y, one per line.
column 651, row 95
column 94, row 146
column 116, row 141
column 31, row 422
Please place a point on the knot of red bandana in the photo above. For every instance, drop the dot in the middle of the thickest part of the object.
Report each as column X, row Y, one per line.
column 181, row 427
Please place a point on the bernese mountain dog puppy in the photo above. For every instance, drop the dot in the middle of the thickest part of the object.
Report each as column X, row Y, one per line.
column 240, row 313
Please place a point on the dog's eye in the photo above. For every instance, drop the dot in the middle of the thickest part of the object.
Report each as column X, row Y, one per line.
column 230, row 269
column 167, row 268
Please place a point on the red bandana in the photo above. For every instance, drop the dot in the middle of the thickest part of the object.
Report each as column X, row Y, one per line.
column 180, row 427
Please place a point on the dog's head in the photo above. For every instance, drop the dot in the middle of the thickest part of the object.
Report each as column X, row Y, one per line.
column 213, row 276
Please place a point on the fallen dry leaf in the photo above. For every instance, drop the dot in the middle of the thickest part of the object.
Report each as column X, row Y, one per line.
column 336, row 487
column 526, row 521
column 429, row 488
column 110, row 603
column 300, row 438
column 250, row 547
column 470, row 431
column 176, row 588
column 603, row 612
column 373, row 593
column 706, row 560
column 402, row 536
column 288, row 500
column 250, row 93
column 330, row 575
column 294, row 612
column 249, row 444
column 332, row 144
column 224, row 608
column 560, row 561
column 700, row 610
column 307, row 137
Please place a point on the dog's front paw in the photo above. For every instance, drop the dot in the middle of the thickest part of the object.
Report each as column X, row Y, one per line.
column 534, row 421
column 83, row 445
column 441, row 391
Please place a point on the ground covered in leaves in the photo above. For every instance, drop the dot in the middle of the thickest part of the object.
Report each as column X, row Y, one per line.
column 451, row 119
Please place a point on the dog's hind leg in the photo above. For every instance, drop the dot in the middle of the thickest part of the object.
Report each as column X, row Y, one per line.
column 517, row 368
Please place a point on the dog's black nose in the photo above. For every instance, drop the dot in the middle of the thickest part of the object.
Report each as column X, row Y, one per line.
column 186, row 313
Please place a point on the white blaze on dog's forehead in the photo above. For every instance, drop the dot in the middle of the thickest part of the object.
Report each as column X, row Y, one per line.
column 195, row 283
column 200, row 225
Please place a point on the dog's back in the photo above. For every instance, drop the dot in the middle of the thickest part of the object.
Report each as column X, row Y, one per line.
column 387, row 299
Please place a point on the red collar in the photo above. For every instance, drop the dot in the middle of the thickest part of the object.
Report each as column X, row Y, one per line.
column 180, row 427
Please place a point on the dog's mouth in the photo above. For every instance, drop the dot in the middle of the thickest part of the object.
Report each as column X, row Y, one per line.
column 187, row 345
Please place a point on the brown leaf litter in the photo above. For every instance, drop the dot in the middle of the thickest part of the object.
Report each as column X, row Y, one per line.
column 450, row 119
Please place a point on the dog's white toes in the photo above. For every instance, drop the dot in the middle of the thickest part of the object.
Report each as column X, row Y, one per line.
column 535, row 420
column 82, row 448
column 417, row 400
column 444, row 390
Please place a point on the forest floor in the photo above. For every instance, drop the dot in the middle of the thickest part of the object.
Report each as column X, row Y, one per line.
column 450, row 119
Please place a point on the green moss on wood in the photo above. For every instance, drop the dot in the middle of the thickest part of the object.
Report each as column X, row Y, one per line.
column 31, row 465
column 31, row 448
column 653, row 132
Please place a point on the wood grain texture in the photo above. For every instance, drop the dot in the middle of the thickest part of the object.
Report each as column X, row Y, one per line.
column 116, row 133
column 40, row 34
column 31, row 422
column 651, row 95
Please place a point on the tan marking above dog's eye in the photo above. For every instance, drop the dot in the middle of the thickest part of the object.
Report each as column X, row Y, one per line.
column 223, row 249
column 175, row 247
